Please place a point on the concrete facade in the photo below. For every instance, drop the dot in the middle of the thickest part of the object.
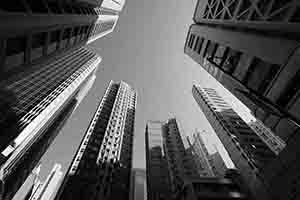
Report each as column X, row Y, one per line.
column 252, row 48
column 33, row 32
column 101, row 167
column 201, row 156
column 169, row 161
column 247, row 151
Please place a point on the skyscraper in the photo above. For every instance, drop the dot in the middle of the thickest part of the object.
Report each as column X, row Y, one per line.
column 209, row 164
column 158, row 178
column 201, row 156
column 34, row 189
column 34, row 106
column 29, row 186
column 252, row 48
column 32, row 32
column 247, row 150
column 275, row 143
column 47, row 190
column 101, row 168
column 45, row 73
column 168, row 163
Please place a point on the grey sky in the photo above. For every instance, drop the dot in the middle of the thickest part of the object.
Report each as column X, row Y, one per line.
column 146, row 51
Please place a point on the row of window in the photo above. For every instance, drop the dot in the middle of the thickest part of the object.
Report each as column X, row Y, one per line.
column 48, row 7
column 23, row 50
column 259, row 74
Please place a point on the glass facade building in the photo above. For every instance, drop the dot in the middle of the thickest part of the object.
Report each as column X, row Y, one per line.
column 102, row 165
column 39, row 103
column 249, row 153
column 169, row 163
column 252, row 48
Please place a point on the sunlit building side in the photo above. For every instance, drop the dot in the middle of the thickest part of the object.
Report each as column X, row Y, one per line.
column 252, row 48
column 246, row 149
column 40, row 102
column 102, row 165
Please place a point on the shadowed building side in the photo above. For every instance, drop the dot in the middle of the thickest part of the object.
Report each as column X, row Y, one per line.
column 252, row 48
column 101, row 167
column 249, row 153
column 42, row 106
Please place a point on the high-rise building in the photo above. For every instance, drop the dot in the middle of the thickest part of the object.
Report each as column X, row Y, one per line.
column 209, row 164
column 101, row 168
column 275, row 143
column 201, row 156
column 45, row 73
column 138, row 186
column 34, row 106
column 249, row 153
column 29, row 186
column 34, row 189
column 181, row 166
column 158, row 178
column 32, row 32
column 252, row 48
column 211, row 188
column 168, row 161
column 217, row 164
column 47, row 190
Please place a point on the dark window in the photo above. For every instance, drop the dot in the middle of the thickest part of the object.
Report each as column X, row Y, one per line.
column 12, row 6
column 220, row 55
column 231, row 61
column 200, row 45
column 67, row 33
column 54, row 36
column 15, row 45
column 211, row 49
column 260, row 74
column 54, row 8
column 77, row 10
column 196, row 43
column 206, row 47
column 191, row 40
column 38, row 40
column 292, row 88
column 37, row 44
column 37, row 6
column 68, row 9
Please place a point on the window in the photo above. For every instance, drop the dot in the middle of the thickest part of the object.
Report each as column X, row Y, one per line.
column 200, row 45
column 196, row 44
column 37, row 45
column 66, row 36
column 15, row 51
column 37, row 6
column 54, row 8
column 12, row 6
column 191, row 40
column 220, row 55
column 231, row 61
column 260, row 74
column 291, row 89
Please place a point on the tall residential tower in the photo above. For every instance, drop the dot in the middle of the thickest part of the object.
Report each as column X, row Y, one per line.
column 168, row 162
column 101, row 168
